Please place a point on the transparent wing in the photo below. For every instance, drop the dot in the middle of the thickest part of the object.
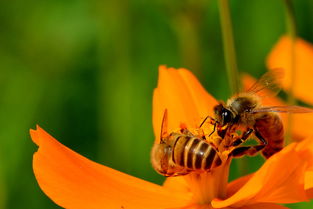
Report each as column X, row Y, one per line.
column 268, row 81
column 284, row 109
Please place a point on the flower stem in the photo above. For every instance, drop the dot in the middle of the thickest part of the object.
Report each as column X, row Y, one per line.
column 229, row 47
column 292, row 32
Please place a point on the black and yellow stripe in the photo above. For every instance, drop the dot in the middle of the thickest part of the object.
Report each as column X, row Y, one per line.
column 194, row 153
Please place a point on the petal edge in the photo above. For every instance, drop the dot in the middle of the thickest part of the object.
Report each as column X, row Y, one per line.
column 73, row 181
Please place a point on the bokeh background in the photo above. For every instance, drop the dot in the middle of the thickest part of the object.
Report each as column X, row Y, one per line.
column 85, row 71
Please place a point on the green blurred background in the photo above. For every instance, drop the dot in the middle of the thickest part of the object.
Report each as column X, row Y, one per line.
column 85, row 71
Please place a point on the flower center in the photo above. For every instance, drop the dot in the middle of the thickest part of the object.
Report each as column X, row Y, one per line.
column 205, row 186
column 209, row 185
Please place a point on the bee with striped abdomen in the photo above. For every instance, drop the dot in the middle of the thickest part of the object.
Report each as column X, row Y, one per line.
column 179, row 153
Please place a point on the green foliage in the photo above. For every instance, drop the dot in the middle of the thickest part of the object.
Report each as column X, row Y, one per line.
column 85, row 71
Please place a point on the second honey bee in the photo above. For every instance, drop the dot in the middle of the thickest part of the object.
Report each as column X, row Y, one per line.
column 179, row 153
column 245, row 112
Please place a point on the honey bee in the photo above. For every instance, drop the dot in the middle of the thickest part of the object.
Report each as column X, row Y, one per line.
column 245, row 112
column 179, row 153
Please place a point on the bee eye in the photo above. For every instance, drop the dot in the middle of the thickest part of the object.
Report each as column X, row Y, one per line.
column 227, row 116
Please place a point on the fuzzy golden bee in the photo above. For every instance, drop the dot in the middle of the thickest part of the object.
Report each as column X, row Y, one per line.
column 245, row 112
column 179, row 153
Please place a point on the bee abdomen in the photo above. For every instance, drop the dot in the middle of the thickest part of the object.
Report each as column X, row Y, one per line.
column 212, row 159
column 271, row 128
column 195, row 154
column 179, row 150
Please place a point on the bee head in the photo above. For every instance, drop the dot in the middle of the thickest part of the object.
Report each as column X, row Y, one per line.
column 223, row 116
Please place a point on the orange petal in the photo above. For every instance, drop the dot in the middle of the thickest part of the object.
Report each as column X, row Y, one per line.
column 308, row 179
column 309, row 193
column 235, row 185
column 73, row 181
column 264, row 205
column 280, row 57
column 308, row 183
column 305, row 148
column 279, row 180
column 177, row 184
column 301, row 123
column 182, row 95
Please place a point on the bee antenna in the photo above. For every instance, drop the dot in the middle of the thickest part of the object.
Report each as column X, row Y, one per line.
column 164, row 126
column 205, row 119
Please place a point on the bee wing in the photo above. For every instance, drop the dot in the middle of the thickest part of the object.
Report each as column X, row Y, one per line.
column 268, row 81
column 284, row 109
column 164, row 126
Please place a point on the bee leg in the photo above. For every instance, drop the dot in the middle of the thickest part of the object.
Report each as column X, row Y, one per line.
column 260, row 137
column 243, row 138
column 247, row 150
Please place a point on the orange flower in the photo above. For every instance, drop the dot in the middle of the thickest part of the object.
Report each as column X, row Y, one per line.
column 73, row 181
column 280, row 57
